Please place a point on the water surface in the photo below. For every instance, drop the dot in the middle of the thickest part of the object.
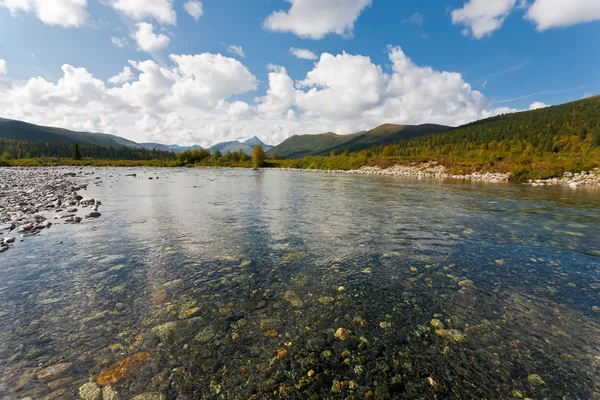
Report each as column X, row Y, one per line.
column 232, row 284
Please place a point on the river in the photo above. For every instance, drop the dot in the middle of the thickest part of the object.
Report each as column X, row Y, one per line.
column 232, row 284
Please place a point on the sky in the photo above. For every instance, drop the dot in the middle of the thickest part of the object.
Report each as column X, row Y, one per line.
column 203, row 72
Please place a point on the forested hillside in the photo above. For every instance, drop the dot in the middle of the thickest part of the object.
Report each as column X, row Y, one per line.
column 568, row 129
column 330, row 143
column 23, row 131
column 15, row 149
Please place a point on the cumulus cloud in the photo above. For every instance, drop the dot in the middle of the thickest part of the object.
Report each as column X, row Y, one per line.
column 65, row 13
column 123, row 77
column 281, row 94
column 119, row 42
column 237, row 50
column 537, row 105
column 482, row 17
column 161, row 10
column 194, row 8
column 2, row 67
column 315, row 19
column 351, row 93
column 303, row 54
column 193, row 99
column 548, row 14
column 147, row 40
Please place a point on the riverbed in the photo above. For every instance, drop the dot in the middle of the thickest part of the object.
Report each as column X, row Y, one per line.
column 227, row 284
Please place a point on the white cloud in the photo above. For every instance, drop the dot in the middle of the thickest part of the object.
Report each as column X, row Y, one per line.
column 207, row 78
column 482, row 17
column 236, row 50
column 123, row 77
column 193, row 99
column 147, row 40
column 351, row 93
column 119, row 42
column 416, row 19
column 342, row 86
column 64, row 13
column 548, row 14
column 161, row 10
column 303, row 54
column 281, row 94
column 2, row 67
column 194, row 8
column 537, row 105
column 315, row 19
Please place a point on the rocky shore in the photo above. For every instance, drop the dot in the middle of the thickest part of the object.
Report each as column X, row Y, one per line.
column 33, row 199
column 437, row 171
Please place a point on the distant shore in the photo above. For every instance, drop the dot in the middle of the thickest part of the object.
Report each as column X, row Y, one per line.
column 437, row 171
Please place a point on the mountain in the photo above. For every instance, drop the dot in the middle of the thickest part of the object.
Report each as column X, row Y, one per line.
column 26, row 132
column 169, row 147
column 235, row 146
column 298, row 146
column 537, row 143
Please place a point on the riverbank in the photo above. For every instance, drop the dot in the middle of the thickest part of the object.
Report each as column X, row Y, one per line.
column 438, row 171
column 34, row 199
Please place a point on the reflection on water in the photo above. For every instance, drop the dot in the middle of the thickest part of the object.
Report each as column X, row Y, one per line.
column 243, row 284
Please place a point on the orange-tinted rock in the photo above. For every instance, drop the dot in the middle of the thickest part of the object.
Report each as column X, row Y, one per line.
column 120, row 369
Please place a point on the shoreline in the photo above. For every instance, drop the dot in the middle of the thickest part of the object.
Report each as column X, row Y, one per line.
column 33, row 199
column 437, row 171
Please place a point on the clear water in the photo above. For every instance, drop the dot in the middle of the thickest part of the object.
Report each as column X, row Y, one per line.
column 272, row 264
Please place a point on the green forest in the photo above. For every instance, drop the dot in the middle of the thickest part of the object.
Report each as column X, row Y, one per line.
column 15, row 150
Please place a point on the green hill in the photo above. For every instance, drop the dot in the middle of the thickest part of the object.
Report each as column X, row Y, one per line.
column 542, row 141
column 23, row 131
column 323, row 144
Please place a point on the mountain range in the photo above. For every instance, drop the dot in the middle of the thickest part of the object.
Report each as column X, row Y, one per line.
column 236, row 146
column 322, row 144
column 26, row 132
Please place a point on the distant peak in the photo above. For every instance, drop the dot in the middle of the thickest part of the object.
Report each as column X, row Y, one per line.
column 253, row 141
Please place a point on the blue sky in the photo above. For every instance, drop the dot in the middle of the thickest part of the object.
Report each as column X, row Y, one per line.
column 510, row 53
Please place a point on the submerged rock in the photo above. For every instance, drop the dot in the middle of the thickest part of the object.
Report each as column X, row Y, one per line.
column 291, row 297
column 536, row 380
column 342, row 334
column 120, row 369
column 150, row 396
column 53, row 370
column 90, row 391
column 108, row 393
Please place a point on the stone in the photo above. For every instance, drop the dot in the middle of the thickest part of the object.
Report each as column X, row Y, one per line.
column 326, row 300
column 93, row 214
column 536, row 380
column 53, row 370
column 292, row 298
column 54, row 395
column 342, row 334
column 149, row 396
column 122, row 368
column 108, row 393
column 90, row 391
column 191, row 312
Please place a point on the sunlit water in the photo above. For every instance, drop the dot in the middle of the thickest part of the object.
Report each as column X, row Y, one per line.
column 234, row 284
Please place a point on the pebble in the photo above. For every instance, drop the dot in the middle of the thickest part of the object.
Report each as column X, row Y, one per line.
column 536, row 380
column 53, row 370
column 90, row 391
column 31, row 196
column 149, row 396
column 342, row 334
